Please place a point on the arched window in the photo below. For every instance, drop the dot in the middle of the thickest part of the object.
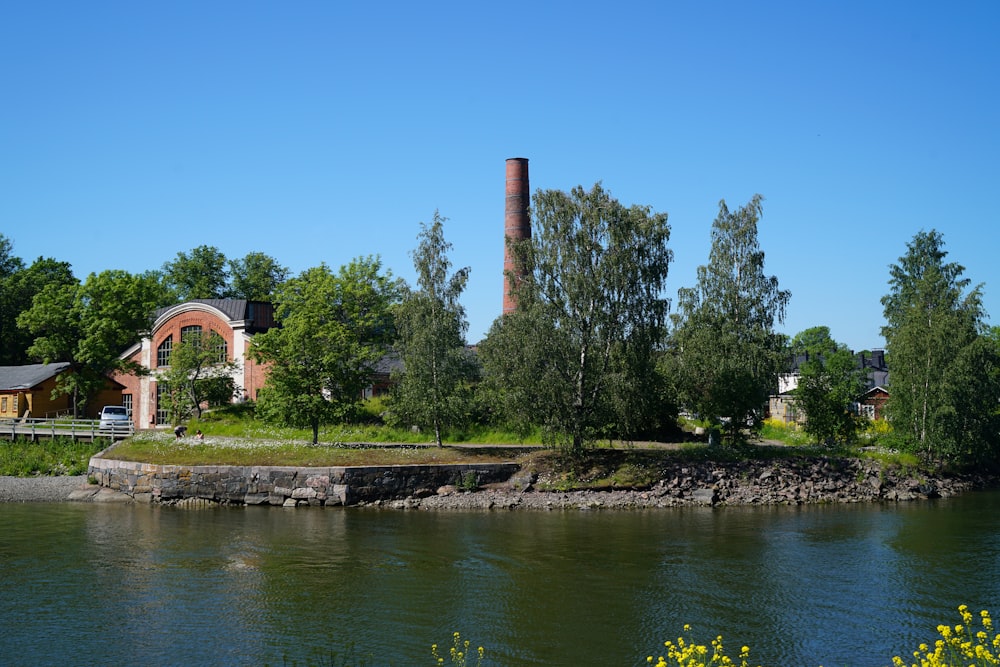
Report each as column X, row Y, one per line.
column 163, row 351
column 192, row 332
column 220, row 347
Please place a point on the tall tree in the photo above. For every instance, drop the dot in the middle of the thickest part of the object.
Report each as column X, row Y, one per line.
column 16, row 294
column 255, row 277
column 941, row 366
column 590, row 316
column 199, row 374
column 200, row 274
column 10, row 304
column 432, row 390
column 334, row 329
column 89, row 325
column 727, row 355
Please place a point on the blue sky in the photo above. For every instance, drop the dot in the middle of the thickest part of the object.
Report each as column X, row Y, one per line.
column 322, row 131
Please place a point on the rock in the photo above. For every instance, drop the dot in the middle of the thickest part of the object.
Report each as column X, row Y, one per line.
column 84, row 492
column 109, row 496
column 523, row 480
column 704, row 496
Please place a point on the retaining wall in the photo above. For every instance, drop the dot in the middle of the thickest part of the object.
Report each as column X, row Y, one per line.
column 288, row 486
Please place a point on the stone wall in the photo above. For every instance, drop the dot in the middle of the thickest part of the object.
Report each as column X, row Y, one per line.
column 287, row 486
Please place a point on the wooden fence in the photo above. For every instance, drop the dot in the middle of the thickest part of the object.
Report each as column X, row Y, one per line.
column 78, row 429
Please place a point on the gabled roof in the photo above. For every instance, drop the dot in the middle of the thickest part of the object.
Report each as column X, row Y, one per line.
column 14, row 378
column 878, row 389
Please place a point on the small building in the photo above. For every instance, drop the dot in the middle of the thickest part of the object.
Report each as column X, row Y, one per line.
column 872, row 403
column 235, row 320
column 26, row 392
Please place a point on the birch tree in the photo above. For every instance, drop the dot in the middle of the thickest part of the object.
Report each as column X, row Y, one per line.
column 578, row 356
column 433, row 389
column 942, row 394
column 727, row 355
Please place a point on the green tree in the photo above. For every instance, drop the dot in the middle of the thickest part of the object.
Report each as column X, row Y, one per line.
column 255, row 277
column 943, row 397
column 200, row 274
column 726, row 354
column 433, row 389
column 814, row 341
column 199, row 374
column 11, row 348
column 334, row 329
column 578, row 355
column 829, row 385
column 89, row 325
column 17, row 291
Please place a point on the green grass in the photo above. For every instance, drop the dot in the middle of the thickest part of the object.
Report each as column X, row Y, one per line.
column 57, row 456
column 788, row 434
column 163, row 449
column 237, row 422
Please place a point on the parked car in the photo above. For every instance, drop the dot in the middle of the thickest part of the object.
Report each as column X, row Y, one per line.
column 114, row 417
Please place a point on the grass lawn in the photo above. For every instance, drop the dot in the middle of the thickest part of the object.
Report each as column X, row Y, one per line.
column 164, row 449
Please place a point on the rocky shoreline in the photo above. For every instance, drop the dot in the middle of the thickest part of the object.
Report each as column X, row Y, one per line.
column 779, row 482
column 783, row 482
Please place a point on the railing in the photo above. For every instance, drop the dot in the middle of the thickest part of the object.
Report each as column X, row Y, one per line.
column 64, row 428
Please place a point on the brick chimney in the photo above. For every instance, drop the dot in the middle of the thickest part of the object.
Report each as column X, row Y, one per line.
column 517, row 225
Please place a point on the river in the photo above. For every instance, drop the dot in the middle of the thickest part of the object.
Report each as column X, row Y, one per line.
column 94, row 584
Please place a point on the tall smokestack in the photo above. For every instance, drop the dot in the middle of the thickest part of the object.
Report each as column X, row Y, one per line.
column 517, row 225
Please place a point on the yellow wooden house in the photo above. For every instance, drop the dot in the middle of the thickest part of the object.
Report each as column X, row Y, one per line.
column 26, row 392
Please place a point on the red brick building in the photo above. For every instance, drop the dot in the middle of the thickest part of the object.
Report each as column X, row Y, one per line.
column 235, row 320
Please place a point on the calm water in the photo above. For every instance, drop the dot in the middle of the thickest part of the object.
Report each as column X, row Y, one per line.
column 847, row 585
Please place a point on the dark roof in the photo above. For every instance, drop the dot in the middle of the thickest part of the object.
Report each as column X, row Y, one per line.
column 235, row 309
column 31, row 375
column 260, row 314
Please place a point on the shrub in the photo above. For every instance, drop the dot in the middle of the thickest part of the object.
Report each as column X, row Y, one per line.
column 959, row 645
column 687, row 653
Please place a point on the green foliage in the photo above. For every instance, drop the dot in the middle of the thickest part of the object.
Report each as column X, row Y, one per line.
column 433, row 390
column 815, row 342
column 726, row 355
column 89, row 325
column 828, row 387
column 55, row 456
column 789, row 434
column 18, row 286
column 945, row 390
column 200, row 274
column 372, row 410
column 578, row 355
column 469, row 481
column 256, row 277
column 334, row 330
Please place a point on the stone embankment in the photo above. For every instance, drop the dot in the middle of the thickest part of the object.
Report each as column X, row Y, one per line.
column 507, row 486
column 288, row 486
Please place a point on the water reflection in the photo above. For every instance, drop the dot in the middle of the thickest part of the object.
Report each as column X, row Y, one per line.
column 102, row 584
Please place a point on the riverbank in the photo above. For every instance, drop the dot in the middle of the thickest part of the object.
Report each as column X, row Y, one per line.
column 815, row 480
column 804, row 481
column 40, row 489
